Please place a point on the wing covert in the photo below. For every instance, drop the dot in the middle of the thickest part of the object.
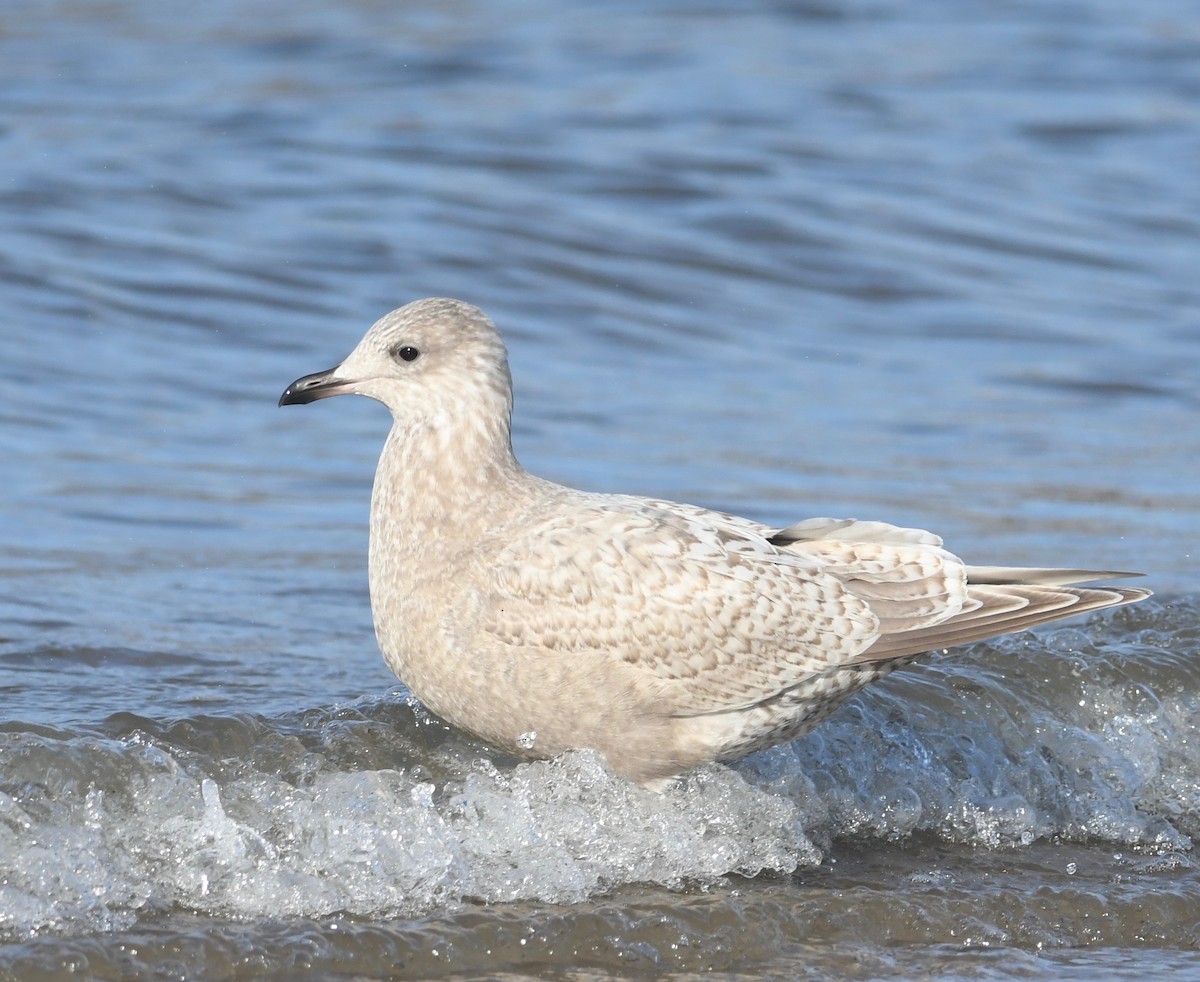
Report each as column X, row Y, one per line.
column 722, row 618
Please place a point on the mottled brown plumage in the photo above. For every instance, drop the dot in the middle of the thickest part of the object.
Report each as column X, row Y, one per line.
column 542, row 618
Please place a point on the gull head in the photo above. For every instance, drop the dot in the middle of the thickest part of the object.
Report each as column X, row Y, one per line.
column 429, row 359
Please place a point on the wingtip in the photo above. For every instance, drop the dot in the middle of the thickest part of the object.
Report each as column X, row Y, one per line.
column 1039, row 576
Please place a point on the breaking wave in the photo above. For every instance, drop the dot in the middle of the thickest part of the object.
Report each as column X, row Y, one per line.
column 375, row 808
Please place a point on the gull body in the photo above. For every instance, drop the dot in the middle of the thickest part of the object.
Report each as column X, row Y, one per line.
column 541, row 618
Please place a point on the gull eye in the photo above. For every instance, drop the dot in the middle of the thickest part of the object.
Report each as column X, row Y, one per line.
column 406, row 353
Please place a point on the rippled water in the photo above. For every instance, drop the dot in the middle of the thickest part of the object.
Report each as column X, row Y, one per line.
column 932, row 263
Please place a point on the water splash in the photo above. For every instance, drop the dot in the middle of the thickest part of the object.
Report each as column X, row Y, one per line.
column 374, row 842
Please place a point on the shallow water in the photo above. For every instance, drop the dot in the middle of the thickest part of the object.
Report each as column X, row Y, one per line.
column 933, row 265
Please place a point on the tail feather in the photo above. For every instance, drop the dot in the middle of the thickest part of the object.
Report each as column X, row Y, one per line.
column 926, row 598
column 1004, row 608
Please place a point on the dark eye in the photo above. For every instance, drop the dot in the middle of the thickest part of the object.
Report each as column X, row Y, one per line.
column 406, row 353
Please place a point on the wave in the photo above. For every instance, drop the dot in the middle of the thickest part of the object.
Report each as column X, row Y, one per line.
column 377, row 809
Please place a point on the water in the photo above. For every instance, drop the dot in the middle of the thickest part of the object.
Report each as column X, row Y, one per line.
column 931, row 264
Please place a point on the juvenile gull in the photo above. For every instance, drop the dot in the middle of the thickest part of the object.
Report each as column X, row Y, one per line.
column 541, row 618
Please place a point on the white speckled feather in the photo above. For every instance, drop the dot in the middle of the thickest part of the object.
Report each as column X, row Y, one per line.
column 726, row 620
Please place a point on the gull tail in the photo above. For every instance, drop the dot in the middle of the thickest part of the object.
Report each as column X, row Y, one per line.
column 1002, row 600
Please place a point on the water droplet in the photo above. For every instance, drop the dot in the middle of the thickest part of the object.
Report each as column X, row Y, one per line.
column 527, row 739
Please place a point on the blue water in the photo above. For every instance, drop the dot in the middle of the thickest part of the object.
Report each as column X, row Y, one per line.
column 932, row 264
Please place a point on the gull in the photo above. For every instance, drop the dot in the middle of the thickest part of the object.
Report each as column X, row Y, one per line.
column 540, row 618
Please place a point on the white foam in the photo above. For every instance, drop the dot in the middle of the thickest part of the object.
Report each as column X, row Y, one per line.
column 377, row 842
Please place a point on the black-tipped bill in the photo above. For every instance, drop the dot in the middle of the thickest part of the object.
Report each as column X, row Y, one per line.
column 318, row 385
